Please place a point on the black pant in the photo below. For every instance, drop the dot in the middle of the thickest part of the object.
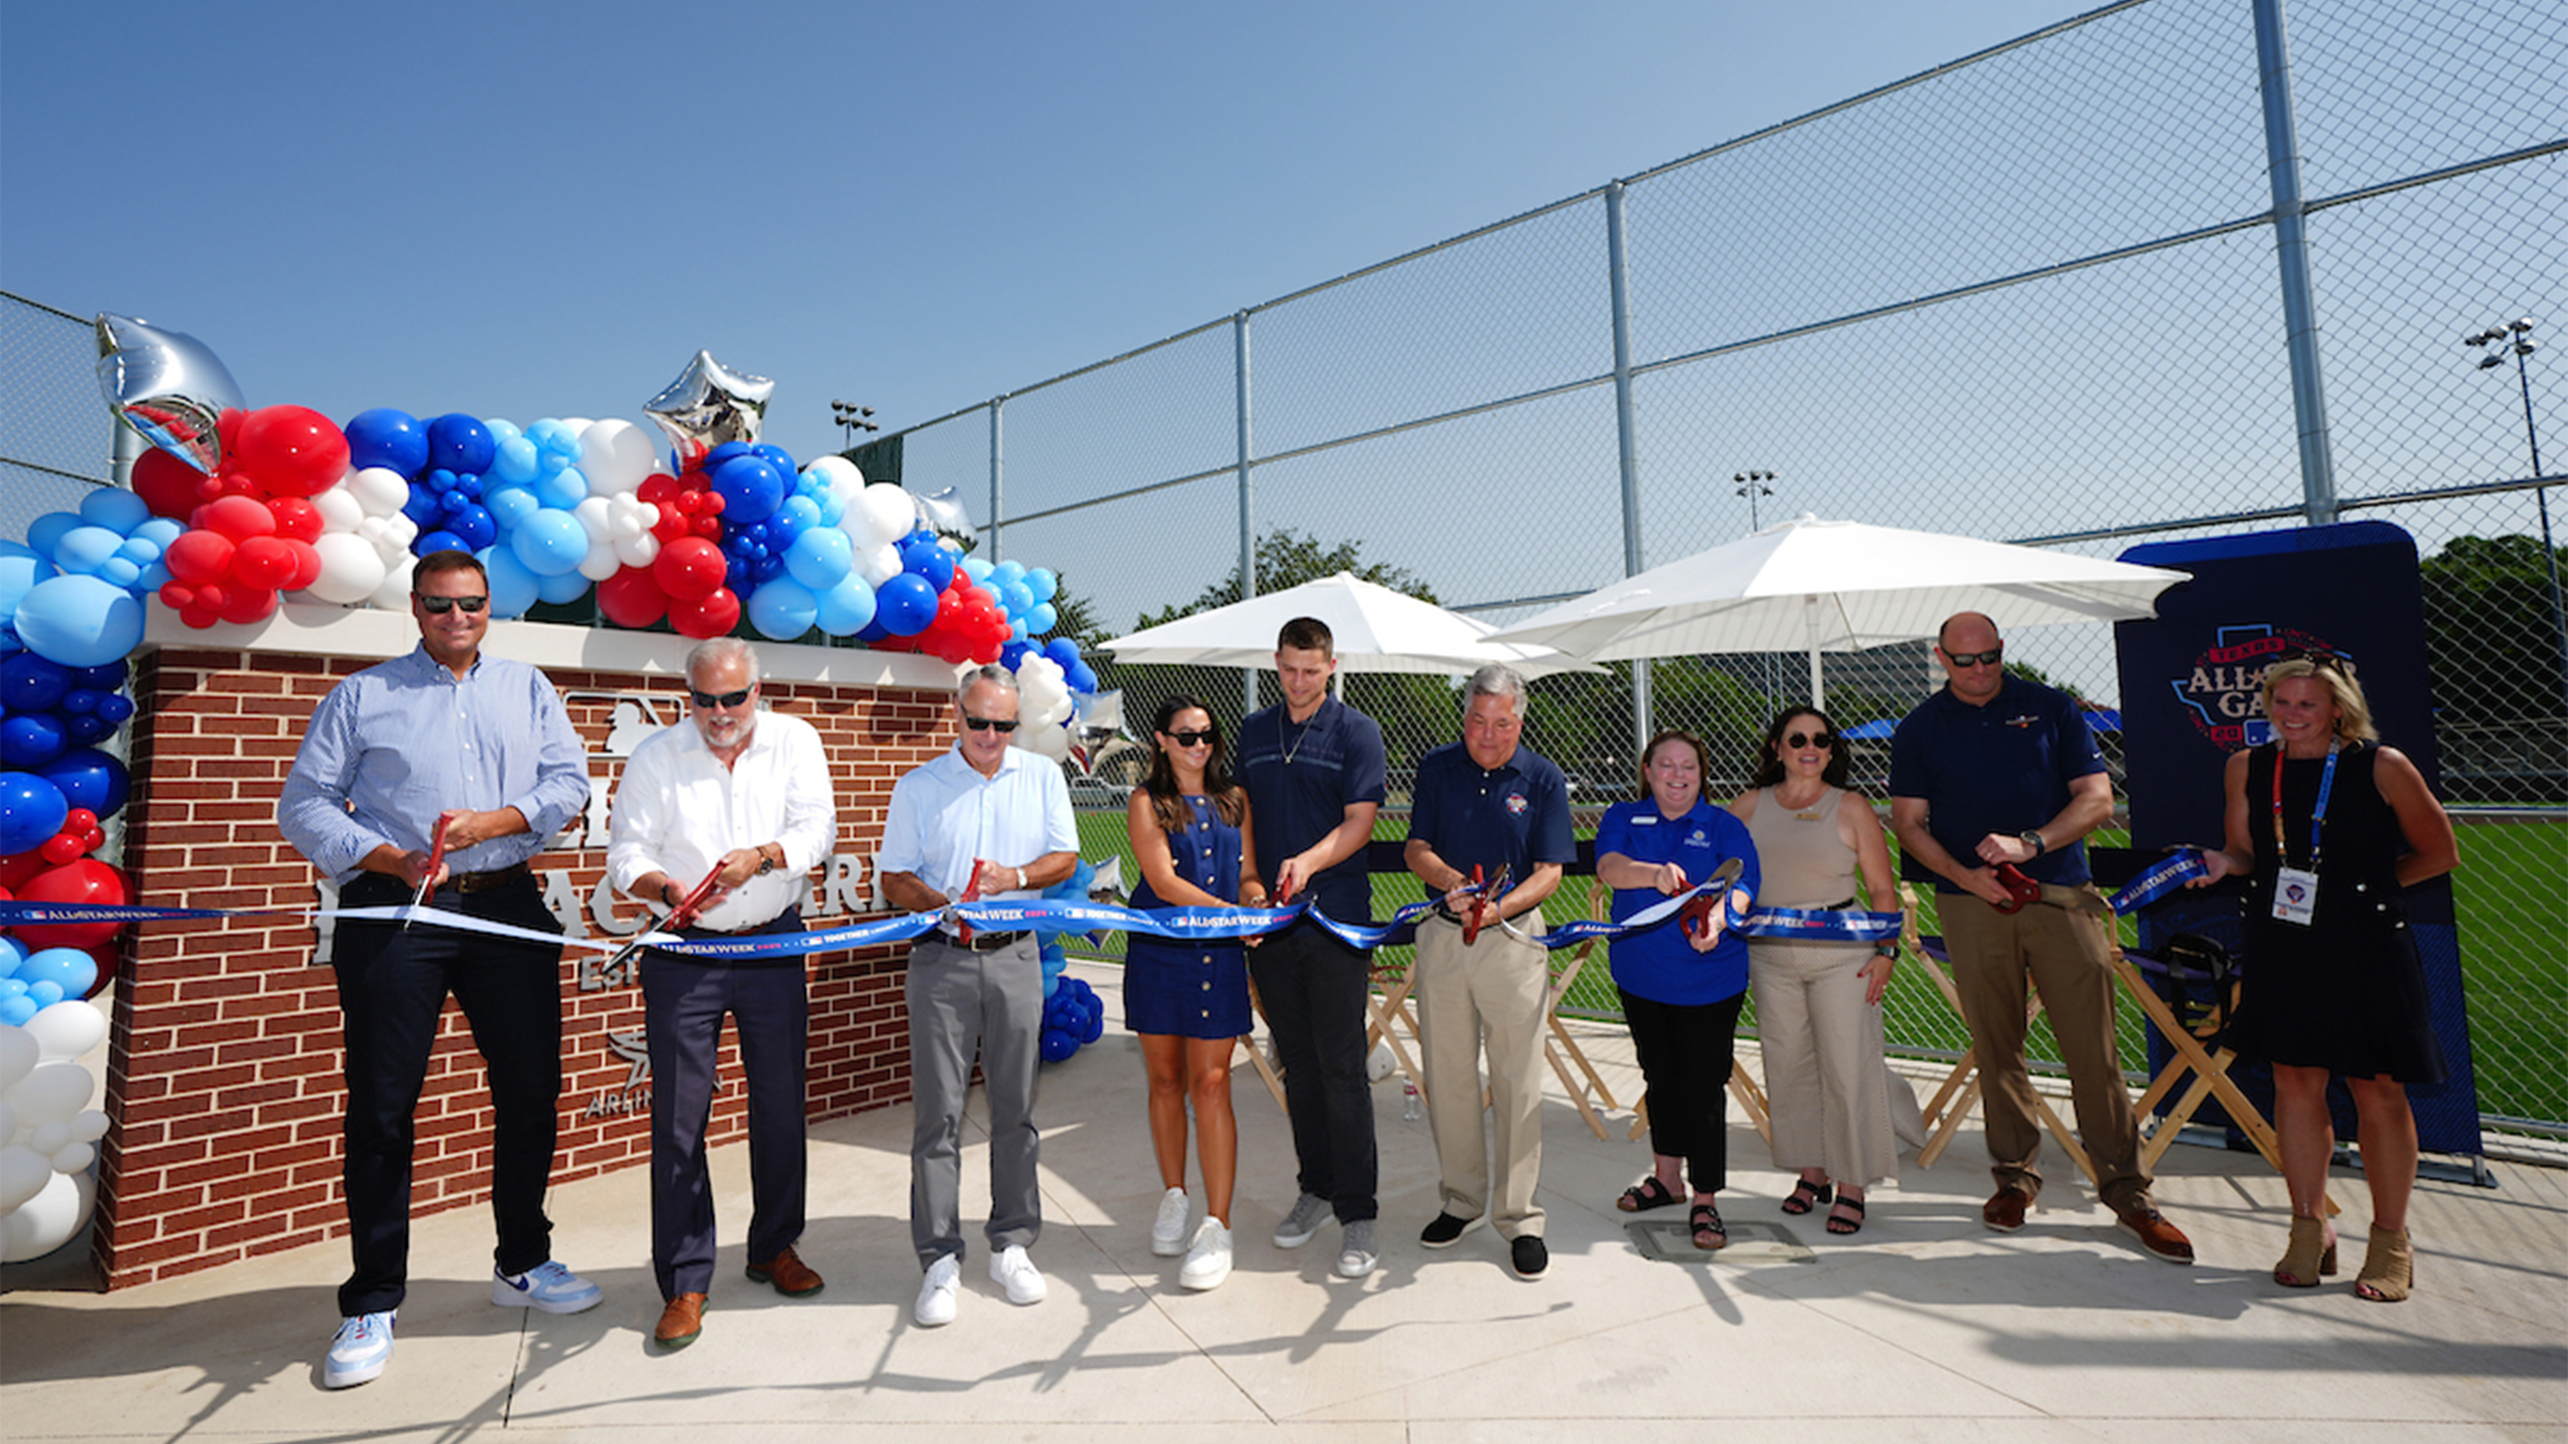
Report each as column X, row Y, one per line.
column 393, row 984
column 1314, row 989
column 683, row 1001
column 1686, row 1053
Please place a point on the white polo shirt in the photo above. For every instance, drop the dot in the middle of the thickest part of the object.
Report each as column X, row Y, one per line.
column 945, row 815
column 678, row 809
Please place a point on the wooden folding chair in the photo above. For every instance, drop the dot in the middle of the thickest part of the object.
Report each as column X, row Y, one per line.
column 1564, row 973
column 1257, row 1056
column 1390, row 1012
column 1961, row 1087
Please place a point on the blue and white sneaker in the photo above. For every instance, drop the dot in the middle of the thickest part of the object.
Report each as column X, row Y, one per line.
column 547, row 1286
column 359, row 1350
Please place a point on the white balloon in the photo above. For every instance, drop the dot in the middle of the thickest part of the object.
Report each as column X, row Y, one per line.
column 73, row 1157
column 52, row 1094
column 879, row 564
column 379, row 489
column 19, row 1056
column 637, row 551
column 880, row 514
column 838, row 474
column 340, row 510
column 48, row 1221
column 68, row 1029
column 51, row 1138
column 1051, row 742
column 351, row 568
column 394, row 594
column 601, row 561
column 614, row 455
column 23, row 1174
column 89, row 1125
column 8, row 1122
column 596, row 518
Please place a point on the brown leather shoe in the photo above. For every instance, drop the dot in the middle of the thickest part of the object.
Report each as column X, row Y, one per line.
column 680, row 1322
column 791, row 1276
column 2004, row 1210
column 2162, row 1239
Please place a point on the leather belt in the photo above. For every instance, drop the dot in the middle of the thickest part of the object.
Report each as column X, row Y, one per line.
column 471, row 882
column 983, row 942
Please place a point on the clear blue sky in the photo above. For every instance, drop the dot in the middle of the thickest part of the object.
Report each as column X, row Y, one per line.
column 530, row 209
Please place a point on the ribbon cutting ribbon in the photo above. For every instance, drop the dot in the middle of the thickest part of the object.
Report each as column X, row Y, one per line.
column 2162, row 877
column 436, row 857
column 1713, row 901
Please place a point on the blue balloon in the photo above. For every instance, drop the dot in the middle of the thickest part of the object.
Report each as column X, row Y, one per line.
column 873, row 631
column 29, row 683
column 394, row 440
column 1042, row 583
column 457, row 442
column 429, row 543
column 114, row 508
column 1063, row 651
column 776, row 456
column 46, row 532
column 821, row 558
column 550, row 542
column 87, row 777
column 116, row 708
column 1057, row 1044
column 802, row 513
column 18, row 575
column 847, row 609
column 751, row 489
column 31, row 810
column 905, row 605
column 16, row 1011
column 555, row 438
column 510, row 505
column 1081, row 678
column 87, row 728
column 80, row 621
column 513, row 586
column 421, row 505
column 160, row 531
column 12, row 953
column 475, row 525
column 105, row 677
column 921, row 556
column 977, row 569
column 118, row 572
column 69, row 969
column 723, row 453
column 570, row 586
column 783, row 609
column 1008, row 572
column 514, row 461
column 30, row 741
column 1013, row 653
column 562, row 489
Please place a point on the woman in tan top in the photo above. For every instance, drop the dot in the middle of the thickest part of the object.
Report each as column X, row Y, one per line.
column 1819, row 1003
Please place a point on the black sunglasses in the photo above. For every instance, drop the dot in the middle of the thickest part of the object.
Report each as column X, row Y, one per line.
column 1192, row 739
column 1820, row 740
column 984, row 724
column 440, row 606
column 1974, row 659
column 709, row 701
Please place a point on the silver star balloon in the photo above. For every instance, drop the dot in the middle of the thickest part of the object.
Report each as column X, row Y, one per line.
column 943, row 514
column 167, row 386
column 708, row 405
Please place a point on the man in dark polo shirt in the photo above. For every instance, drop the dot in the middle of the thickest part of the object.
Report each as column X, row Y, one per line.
column 1313, row 767
column 1487, row 802
column 1996, row 770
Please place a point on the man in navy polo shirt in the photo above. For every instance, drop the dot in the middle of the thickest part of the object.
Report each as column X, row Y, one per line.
column 1996, row 770
column 1491, row 803
column 1313, row 767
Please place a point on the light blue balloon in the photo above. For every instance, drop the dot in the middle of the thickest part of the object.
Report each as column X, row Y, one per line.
column 141, row 550
column 120, row 572
column 68, row 969
column 1018, row 630
column 159, row 531
column 152, row 579
column 550, row 542
column 1042, row 583
column 783, row 609
column 570, row 586
column 1008, row 572
column 16, row 1011
column 514, row 462
column 501, row 430
column 977, row 569
column 44, row 994
column 821, row 558
column 12, row 953
column 1017, row 598
column 513, row 588
column 79, row 621
column 114, row 508
column 554, row 438
column 802, row 512
column 510, row 505
column 1040, row 619
column 847, row 608
column 84, row 549
column 563, row 489
column 47, row 531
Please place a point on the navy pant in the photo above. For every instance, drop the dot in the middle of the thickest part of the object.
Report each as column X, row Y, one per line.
column 1686, row 1054
column 1313, row 988
column 392, row 985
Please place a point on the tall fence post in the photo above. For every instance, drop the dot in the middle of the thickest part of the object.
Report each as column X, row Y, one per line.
column 998, row 476
column 1625, row 448
column 2291, row 252
column 1247, row 498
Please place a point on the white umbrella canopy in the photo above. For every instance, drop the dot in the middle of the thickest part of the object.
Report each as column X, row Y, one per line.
column 1375, row 629
column 1836, row 586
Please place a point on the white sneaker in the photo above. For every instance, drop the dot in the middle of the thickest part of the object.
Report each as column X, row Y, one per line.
column 936, row 1294
column 1208, row 1259
column 1168, row 1231
column 1012, row 1270
column 548, row 1287
column 359, row 1351
column 1361, row 1255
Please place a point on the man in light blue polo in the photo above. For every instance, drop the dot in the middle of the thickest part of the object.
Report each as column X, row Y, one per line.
column 989, row 812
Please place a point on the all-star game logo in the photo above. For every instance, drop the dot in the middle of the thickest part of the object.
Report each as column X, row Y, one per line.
column 2223, row 692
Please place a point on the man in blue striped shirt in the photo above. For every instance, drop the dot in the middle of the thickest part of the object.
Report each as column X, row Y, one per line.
column 480, row 745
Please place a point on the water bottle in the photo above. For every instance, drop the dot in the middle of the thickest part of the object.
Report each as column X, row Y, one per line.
column 1412, row 1107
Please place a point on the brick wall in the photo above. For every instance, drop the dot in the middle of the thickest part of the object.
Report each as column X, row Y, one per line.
column 224, row 1062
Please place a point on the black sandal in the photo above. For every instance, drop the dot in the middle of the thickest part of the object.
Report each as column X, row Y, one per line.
column 1706, row 1219
column 1645, row 1195
column 1838, row 1225
column 1806, row 1196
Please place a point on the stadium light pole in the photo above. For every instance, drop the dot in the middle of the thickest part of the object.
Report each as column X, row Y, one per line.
column 850, row 419
column 1752, row 484
column 2515, row 339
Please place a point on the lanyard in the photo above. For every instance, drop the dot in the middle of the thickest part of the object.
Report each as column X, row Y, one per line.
column 2318, row 813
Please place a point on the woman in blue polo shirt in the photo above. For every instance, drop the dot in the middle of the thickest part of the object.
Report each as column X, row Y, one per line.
column 1681, row 993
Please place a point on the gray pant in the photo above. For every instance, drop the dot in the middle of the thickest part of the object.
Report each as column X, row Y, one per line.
column 957, row 998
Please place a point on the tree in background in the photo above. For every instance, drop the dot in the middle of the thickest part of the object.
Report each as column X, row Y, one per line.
column 2491, row 634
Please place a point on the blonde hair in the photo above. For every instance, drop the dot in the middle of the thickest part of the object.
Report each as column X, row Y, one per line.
column 2354, row 715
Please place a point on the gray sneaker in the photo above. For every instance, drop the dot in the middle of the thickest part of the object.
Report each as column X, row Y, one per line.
column 1309, row 1212
column 1359, row 1256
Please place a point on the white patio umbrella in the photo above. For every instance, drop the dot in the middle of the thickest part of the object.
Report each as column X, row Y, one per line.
column 1836, row 586
column 1375, row 629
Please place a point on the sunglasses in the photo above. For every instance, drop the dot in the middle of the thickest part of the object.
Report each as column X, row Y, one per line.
column 440, row 606
column 1821, row 740
column 1190, row 739
column 984, row 724
column 1975, row 659
column 709, row 701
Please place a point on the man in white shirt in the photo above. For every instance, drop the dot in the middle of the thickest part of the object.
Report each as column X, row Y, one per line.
column 990, row 813
column 745, row 796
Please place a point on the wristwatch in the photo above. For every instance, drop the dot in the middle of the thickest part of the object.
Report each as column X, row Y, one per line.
column 766, row 864
column 2032, row 838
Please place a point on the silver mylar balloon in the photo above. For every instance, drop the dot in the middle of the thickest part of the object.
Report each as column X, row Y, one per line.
column 168, row 386
column 708, row 405
column 944, row 515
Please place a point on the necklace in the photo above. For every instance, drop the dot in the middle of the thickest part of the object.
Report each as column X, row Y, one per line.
column 1281, row 718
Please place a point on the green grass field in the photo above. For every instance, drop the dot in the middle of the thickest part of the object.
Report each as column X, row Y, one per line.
column 2516, row 991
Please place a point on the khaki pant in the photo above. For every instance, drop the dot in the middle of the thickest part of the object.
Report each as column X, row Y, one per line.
column 1492, row 990
column 2060, row 944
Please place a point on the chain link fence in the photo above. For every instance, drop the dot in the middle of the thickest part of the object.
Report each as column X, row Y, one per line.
column 2032, row 294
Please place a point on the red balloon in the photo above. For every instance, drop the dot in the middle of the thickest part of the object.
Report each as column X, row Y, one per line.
column 245, row 604
column 689, row 503
column 109, row 956
column 709, row 527
column 61, row 848
column 989, row 649
column 227, row 427
column 659, row 488
column 166, row 484
column 290, row 450
column 672, row 525
column 264, row 563
column 296, row 518
column 85, row 881
column 307, row 566
column 690, row 570
column 198, row 556
column 713, row 503
column 16, row 868
column 632, row 598
column 237, row 517
column 708, row 616
column 80, row 819
column 228, row 483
